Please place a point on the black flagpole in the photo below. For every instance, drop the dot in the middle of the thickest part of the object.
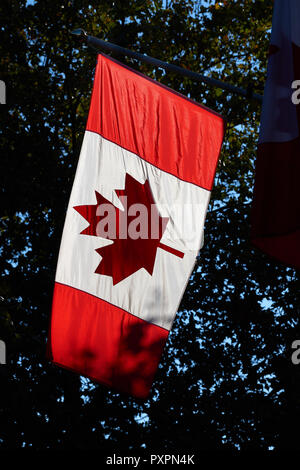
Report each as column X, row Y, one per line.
column 99, row 44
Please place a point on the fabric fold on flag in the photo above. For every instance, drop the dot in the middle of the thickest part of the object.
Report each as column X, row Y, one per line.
column 275, row 224
column 133, row 228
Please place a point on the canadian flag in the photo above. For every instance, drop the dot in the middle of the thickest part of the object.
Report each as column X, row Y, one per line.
column 276, row 202
column 133, row 227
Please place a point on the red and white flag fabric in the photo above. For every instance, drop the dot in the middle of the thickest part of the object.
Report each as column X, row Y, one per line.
column 276, row 203
column 133, row 227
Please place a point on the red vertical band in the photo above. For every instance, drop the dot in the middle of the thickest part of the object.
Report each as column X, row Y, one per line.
column 166, row 129
column 104, row 342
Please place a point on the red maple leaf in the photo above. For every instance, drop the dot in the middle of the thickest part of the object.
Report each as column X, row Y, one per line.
column 135, row 238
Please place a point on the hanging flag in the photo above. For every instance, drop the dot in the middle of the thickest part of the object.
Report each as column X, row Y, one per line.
column 133, row 227
column 276, row 203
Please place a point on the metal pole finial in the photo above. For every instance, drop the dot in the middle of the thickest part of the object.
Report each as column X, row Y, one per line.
column 81, row 34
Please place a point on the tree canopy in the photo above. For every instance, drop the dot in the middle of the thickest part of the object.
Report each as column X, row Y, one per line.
column 226, row 379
